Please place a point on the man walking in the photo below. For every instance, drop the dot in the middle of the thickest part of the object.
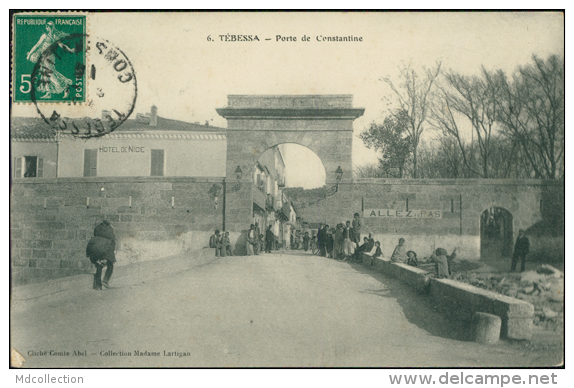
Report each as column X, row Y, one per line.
column 101, row 251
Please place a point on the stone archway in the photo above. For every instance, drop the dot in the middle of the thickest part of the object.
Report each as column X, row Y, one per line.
column 255, row 123
column 496, row 232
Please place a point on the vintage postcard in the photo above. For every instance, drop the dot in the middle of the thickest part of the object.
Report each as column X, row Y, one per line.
column 287, row 189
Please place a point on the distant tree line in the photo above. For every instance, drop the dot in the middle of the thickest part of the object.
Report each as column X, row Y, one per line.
column 490, row 125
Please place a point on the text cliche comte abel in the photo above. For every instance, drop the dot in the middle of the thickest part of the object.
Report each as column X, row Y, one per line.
column 108, row 353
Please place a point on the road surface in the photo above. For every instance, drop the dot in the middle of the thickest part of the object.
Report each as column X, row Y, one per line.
column 271, row 310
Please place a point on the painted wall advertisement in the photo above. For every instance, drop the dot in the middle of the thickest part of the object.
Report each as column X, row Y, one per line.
column 395, row 213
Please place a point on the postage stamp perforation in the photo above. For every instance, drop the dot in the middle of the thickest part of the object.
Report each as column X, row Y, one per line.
column 79, row 84
column 67, row 13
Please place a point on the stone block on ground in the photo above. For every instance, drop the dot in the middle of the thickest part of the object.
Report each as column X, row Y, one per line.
column 486, row 328
column 516, row 315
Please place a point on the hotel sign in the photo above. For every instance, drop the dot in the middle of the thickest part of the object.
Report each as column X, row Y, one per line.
column 394, row 213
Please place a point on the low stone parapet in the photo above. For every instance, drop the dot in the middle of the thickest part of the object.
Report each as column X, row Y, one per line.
column 461, row 299
column 136, row 271
column 517, row 315
column 415, row 277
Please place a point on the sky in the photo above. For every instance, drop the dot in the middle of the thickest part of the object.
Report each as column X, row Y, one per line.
column 187, row 77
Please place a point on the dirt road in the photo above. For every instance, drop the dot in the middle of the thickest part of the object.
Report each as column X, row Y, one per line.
column 270, row 310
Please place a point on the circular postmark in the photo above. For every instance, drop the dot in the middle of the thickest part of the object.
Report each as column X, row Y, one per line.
column 101, row 97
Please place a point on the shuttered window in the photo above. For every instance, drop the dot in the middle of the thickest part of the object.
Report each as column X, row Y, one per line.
column 17, row 167
column 91, row 162
column 28, row 167
column 157, row 162
column 40, row 168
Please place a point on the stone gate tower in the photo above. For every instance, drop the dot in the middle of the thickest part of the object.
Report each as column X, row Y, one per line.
column 255, row 123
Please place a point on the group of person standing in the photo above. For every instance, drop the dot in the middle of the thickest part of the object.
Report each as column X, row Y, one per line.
column 257, row 242
column 344, row 241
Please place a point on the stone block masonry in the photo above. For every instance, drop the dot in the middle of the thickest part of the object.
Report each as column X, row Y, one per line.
column 52, row 220
column 255, row 123
column 462, row 300
column 456, row 206
column 517, row 316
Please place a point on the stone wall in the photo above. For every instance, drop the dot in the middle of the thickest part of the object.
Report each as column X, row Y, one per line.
column 322, row 123
column 459, row 300
column 51, row 221
column 536, row 206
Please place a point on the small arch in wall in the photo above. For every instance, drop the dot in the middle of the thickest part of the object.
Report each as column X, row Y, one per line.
column 496, row 232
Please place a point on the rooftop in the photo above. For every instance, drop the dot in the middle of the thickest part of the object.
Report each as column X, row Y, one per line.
column 37, row 128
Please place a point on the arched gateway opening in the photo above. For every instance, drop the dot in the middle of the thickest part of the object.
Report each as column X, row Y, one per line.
column 282, row 167
column 256, row 123
column 496, row 233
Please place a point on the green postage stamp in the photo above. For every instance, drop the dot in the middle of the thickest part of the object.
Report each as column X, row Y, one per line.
column 49, row 58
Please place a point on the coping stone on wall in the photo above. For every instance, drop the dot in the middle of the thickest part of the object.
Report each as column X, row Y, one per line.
column 517, row 315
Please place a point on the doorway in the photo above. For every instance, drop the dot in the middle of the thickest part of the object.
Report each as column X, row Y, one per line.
column 496, row 234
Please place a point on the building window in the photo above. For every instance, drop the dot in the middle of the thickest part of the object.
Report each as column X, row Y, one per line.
column 28, row 167
column 157, row 162
column 91, row 162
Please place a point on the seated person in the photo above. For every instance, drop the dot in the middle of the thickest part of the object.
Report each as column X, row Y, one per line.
column 400, row 253
column 227, row 243
column 378, row 251
column 367, row 246
column 412, row 259
column 442, row 262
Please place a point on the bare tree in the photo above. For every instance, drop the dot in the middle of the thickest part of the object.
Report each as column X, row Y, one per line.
column 476, row 100
column 532, row 111
column 372, row 170
column 413, row 94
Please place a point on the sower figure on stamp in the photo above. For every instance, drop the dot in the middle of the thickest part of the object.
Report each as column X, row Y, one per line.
column 101, row 251
column 521, row 249
column 51, row 80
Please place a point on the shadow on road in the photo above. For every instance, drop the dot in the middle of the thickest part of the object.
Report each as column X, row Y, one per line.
column 418, row 308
